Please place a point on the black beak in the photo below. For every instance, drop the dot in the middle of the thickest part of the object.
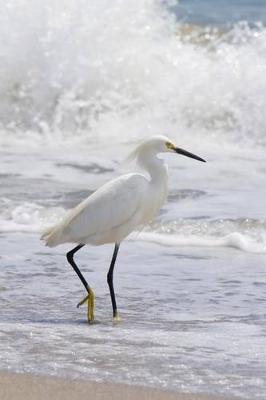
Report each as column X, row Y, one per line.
column 188, row 154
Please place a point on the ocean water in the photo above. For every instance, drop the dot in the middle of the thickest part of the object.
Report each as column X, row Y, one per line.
column 221, row 12
column 80, row 84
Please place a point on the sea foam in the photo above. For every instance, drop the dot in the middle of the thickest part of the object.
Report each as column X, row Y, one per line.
column 82, row 71
column 33, row 218
column 234, row 240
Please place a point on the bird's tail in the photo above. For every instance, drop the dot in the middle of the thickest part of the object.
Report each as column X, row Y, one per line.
column 51, row 236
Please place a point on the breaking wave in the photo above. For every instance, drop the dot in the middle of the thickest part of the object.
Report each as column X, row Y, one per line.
column 80, row 71
column 248, row 235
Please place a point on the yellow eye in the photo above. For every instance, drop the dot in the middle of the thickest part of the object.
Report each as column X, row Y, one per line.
column 170, row 145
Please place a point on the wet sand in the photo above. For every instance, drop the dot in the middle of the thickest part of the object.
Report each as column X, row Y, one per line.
column 30, row 387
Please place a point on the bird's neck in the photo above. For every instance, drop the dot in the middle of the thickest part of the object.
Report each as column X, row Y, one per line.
column 158, row 185
column 155, row 167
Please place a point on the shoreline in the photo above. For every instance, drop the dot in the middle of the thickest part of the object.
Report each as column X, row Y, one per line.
column 15, row 386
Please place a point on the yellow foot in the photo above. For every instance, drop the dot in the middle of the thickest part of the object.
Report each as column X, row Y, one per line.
column 116, row 317
column 90, row 300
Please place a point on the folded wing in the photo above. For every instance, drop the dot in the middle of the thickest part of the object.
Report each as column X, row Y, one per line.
column 112, row 210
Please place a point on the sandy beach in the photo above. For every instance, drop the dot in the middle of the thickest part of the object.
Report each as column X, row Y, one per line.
column 24, row 386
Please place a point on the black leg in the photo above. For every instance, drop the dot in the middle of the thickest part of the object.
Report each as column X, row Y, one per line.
column 110, row 280
column 70, row 259
column 90, row 297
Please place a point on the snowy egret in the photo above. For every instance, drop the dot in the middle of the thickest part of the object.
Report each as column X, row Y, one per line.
column 117, row 208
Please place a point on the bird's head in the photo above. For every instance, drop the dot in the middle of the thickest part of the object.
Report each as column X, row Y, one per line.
column 161, row 144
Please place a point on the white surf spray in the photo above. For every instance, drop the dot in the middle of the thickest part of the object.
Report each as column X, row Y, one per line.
column 98, row 70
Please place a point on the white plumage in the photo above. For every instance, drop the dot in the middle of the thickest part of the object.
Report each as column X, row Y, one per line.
column 107, row 216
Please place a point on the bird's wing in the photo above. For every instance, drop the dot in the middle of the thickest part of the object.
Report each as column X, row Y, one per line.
column 111, row 206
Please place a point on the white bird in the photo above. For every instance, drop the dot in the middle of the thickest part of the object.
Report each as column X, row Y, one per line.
column 117, row 208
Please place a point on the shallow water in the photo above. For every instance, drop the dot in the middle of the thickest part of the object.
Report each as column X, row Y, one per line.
column 192, row 320
column 190, row 286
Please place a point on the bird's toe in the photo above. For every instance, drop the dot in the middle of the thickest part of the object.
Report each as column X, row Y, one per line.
column 89, row 299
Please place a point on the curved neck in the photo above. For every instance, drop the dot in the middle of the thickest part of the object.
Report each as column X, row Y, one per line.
column 156, row 168
column 158, row 185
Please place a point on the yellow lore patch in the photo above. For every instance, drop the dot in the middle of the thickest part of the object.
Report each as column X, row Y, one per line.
column 169, row 145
